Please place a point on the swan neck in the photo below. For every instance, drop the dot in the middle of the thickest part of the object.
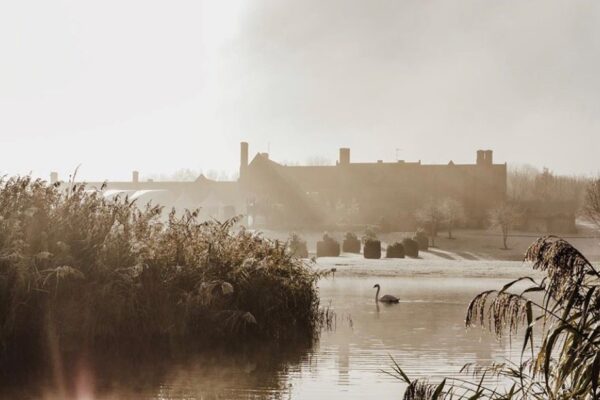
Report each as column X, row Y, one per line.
column 377, row 294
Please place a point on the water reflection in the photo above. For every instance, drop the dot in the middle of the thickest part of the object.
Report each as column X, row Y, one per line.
column 424, row 333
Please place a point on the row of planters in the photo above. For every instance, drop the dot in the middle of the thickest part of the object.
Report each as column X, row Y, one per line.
column 329, row 247
column 408, row 247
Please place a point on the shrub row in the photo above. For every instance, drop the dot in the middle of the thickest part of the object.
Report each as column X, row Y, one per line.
column 329, row 247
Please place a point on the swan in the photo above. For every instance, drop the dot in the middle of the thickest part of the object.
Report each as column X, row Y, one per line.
column 386, row 298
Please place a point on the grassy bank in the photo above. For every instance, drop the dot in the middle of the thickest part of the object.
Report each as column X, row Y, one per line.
column 80, row 271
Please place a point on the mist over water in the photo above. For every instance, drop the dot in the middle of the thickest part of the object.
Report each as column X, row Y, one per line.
column 425, row 333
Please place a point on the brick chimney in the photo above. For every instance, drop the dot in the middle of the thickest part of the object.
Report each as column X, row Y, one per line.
column 243, row 157
column 489, row 157
column 480, row 157
column 344, row 156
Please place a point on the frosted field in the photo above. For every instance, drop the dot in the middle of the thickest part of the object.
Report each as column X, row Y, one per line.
column 427, row 265
column 467, row 244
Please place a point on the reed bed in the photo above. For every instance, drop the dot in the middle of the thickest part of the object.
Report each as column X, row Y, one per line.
column 79, row 270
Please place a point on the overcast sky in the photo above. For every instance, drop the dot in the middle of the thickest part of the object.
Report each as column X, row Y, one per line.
column 163, row 85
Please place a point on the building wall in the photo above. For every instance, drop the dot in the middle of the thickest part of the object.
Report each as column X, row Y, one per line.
column 346, row 193
column 375, row 191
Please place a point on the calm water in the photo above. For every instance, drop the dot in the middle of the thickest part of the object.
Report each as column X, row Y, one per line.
column 424, row 333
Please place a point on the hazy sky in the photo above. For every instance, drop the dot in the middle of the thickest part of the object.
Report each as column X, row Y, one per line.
column 163, row 85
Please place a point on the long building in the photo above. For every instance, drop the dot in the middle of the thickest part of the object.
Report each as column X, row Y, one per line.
column 271, row 194
column 366, row 193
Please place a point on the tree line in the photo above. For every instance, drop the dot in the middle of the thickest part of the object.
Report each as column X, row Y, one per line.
column 575, row 195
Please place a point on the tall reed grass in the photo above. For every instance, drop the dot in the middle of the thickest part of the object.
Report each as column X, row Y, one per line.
column 77, row 269
column 562, row 311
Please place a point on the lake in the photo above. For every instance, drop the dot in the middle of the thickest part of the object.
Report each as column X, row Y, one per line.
column 424, row 333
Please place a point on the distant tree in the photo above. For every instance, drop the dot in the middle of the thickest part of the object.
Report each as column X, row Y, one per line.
column 591, row 205
column 544, row 185
column 369, row 235
column 453, row 213
column 504, row 216
column 431, row 216
column 220, row 175
column 527, row 183
column 180, row 175
column 212, row 174
column 223, row 176
column 318, row 161
column 520, row 181
column 189, row 175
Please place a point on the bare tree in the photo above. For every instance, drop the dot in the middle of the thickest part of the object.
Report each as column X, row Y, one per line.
column 318, row 161
column 520, row 181
column 180, row 175
column 526, row 183
column 190, row 175
column 453, row 213
column 504, row 217
column 431, row 215
column 220, row 175
column 591, row 205
column 212, row 174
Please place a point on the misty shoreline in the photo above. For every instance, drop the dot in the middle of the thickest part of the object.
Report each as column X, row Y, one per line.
column 470, row 254
column 351, row 265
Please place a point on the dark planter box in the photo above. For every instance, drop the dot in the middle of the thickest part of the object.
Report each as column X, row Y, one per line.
column 411, row 247
column 328, row 248
column 422, row 240
column 372, row 249
column 351, row 246
column 395, row 250
column 301, row 251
